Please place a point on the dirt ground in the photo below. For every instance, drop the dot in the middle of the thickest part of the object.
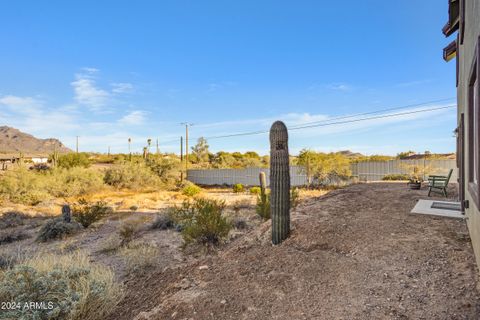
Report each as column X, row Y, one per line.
column 354, row 253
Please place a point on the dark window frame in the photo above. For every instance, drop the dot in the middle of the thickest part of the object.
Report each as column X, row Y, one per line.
column 473, row 137
column 461, row 28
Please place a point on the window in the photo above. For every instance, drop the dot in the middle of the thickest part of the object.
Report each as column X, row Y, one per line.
column 474, row 130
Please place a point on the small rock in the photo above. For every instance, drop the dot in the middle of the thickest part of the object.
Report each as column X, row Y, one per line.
column 205, row 267
column 223, row 301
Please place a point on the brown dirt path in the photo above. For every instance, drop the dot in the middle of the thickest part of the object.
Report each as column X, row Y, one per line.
column 354, row 253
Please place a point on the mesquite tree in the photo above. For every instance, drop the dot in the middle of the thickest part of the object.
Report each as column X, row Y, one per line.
column 279, row 182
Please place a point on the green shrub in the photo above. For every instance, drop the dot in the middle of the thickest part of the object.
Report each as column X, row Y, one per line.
column 396, row 177
column 202, row 221
column 255, row 190
column 191, row 190
column 23, row 186
column 71, row 160
column 132, row 176
column 73, row 182
column 166, row 168
column 294, row 198
column 263, row 206
column 238, row 187
column 70, row 285
column 57, row 229
column 86, row 213
column 31, row 187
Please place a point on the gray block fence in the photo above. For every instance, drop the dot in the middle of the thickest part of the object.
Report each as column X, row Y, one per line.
column 363, row 171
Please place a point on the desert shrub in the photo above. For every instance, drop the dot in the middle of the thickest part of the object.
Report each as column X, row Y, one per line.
column 239, row 223
column 139, row 255
column 32, row 187
column 128, row 231
column 72, row 286
column 163, row 222
column 57, row 229
column 71, row 160
column 23, row 186
column 191, row 189
column 131, row 175
column 12, row 236
column 133, row 208
column 12, row 219
column 87, row 213
column 201, row 221
column 255, row 190
column 166, row 168
column 263, row 206
column 396, row 176
column 294, row 198
column 73, row 182
column 238, row 187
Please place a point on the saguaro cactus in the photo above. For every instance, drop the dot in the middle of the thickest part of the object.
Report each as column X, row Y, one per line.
column 66, row 213
column 279, row 182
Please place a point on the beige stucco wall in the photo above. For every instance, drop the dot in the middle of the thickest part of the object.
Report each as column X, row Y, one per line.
column 466, row 56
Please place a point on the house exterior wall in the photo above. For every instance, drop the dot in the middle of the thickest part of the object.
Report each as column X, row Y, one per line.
column 465, row 56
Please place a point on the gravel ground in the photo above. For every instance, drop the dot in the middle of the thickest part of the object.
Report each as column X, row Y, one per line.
column 354, row 253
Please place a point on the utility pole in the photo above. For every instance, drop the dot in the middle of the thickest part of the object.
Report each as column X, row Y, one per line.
column 109, row 151
column 129, row 148
column 77, row 145
column 181, row 157
column 158, row 149
column 186, row 124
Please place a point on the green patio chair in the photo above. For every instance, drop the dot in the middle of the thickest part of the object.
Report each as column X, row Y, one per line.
column 439, row 183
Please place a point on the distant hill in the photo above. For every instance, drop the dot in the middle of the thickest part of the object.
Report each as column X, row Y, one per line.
column 350, row 154
column 13, row 141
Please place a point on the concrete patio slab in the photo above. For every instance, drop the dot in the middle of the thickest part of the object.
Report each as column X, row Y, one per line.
column 425, row 207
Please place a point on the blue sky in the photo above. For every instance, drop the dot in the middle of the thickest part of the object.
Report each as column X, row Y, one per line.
column 109, row 70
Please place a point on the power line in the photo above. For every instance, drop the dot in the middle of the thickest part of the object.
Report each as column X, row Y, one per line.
column 330, row 123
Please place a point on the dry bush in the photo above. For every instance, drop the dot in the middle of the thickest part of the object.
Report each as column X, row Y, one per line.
column 76, row 288
column 12, row 219
column 110, row 245
column 139, row 255
column 12, row 236
column 129, row 230
column 87, row 213
column 163, row 222
column 239, row 223
column 57, row 228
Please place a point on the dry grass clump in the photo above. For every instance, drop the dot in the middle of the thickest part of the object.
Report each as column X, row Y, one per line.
column 73, row 287
column 139, row 255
